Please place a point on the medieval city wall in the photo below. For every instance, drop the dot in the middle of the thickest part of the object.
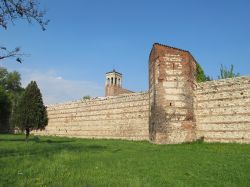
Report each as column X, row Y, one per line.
column 222, row 110
column 118, row 117
column 175, row 110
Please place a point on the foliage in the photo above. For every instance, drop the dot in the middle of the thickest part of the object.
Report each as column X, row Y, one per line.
column 3, row 76
column 12, row 10
column 10, row 81
column 53, row 161
column 5, row 111
column 227, row 73
column 86, row 97
column 200, row 75
column 30, row 112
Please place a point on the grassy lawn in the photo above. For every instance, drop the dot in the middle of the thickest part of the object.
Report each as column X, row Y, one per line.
column 53, row 161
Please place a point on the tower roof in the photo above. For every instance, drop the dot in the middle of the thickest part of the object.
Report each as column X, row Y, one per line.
column 159, row 46
column 114, row 71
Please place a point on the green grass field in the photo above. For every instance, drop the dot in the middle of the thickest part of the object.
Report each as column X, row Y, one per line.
column 52, row 161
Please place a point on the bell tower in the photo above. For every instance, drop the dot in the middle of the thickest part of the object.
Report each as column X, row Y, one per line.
column 113, row 83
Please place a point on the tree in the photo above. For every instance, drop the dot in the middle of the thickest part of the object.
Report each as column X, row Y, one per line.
column 11, row 83
column 200, row 75
column 225, row 73
column 30, row 112
column 12, row 10
column 5, row 111
column 86, row 97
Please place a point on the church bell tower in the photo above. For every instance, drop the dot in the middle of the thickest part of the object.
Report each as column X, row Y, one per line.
column 113, row 83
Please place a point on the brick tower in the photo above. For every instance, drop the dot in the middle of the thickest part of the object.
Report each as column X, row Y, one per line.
column 113, row 83
column 171, row 93
column 113, row 86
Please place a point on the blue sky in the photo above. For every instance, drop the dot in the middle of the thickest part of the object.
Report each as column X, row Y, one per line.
column 85, row 39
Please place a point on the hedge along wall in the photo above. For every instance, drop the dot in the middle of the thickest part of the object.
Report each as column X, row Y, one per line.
column 119, row 117
column 222, row 110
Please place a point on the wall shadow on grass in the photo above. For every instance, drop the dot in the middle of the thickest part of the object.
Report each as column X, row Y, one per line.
column 51, row 150
column 45, row 147
column 12, row 140
column 34, row 140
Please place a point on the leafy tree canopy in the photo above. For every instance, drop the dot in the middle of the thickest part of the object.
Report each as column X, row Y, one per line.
column 10, row 81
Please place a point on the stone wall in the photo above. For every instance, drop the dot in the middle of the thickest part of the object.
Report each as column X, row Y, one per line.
column 119, row 117
column 222, row 110
column 171, row 85
column 175, row 110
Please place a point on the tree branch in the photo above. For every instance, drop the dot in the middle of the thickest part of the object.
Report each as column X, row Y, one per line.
column 25, row 9
column 11, row 10
column 15, row 53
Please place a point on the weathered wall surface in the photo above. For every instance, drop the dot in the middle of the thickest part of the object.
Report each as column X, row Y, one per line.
column 171, row 84
column 222, row 110
column 120, row 117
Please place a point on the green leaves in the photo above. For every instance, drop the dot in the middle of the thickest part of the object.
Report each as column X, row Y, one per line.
column 5, row 111
column 30, row 113
column 224, row 73
column 200, row 75
column 10, row 81
column 227, row 73
column 86, row 97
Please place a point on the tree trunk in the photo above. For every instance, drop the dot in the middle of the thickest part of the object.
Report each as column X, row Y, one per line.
column 27, row 134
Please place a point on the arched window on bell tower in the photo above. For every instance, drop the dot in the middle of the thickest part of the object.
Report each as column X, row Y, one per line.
column 119, row 82
column 108, row 81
